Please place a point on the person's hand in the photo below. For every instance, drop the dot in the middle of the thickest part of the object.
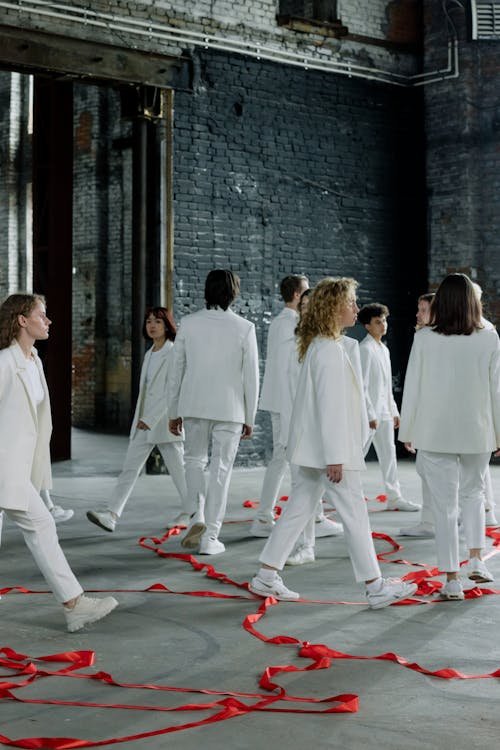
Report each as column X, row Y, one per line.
column 175, row 426
column 497, row 453
column 142, row 425
column 334, row 473
column 410, row 448
column 246, row 432
column 396, row 423
column 372, row 424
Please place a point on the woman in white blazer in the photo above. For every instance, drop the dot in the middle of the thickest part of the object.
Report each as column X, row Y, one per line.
column 25, row 430
column 150, row 424
column 325, row 442
column 451, row 415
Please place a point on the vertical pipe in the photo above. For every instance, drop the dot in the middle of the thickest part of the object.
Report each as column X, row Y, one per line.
column 168, row 101
column 139, row 240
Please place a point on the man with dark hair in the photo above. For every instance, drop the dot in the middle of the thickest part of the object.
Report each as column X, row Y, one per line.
column 383, row 413
column 213, row 392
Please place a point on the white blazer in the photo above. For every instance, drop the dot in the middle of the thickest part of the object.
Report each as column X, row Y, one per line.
column 451, row 398
column 156, row 391
column 328, row 415
column 377, row 379
column 25, row 431
column 280, row 338
column 215, row 368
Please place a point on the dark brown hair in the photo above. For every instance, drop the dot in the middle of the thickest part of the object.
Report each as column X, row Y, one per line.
column 289, row 285
column 14, row 306
column 372, row 310
column 221, row 288
column 167, row 318
column 455, row 309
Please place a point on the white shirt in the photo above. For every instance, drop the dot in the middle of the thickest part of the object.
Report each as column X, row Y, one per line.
column 35, row 383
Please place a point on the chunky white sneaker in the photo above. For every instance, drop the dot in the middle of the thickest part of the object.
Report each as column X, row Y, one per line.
column 301, row 556
column 490, row 518
column 211, row 546
column 60, row 515
column 194, row 532
column 261, row 528
column 181, row 520
column 399, row 503
column 87, row 610
column 452, row 590
column 477, row 571
column 422, row 530
column 391, row 590
column 103, row 518
column 274, row 588
column 327, row 527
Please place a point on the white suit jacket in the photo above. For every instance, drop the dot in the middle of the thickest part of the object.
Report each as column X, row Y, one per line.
column 377, row 379
column 328, row 415
column 451, row 398
column 215, row 368
column 157, row 415
column 25, row 431
column 280, row 338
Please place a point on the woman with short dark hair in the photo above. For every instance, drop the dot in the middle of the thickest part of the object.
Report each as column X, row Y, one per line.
column 451, row 415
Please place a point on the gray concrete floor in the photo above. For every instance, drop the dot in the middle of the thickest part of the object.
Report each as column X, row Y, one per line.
column 195, row 642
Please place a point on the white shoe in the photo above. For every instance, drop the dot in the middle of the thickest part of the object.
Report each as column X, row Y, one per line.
column 181, row 520
column 211, row 546
column 275, row 588
column 103, row 518
column 327, row 527
column 423, row 530
column 302, row 556
column 490, row 518
column 391, row 590
column 399, row 503
column 261, row 528
column 195, row 530
column 477, row 571
column 60, row 515
column 452, row 590
column 87, row 610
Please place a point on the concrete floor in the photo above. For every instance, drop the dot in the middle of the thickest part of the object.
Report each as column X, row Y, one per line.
column 172, row 639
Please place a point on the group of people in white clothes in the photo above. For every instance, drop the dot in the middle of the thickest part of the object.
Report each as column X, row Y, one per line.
column 203, row 389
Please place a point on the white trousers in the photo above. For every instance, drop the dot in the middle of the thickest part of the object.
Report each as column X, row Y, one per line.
column 275, row 472
column 383, row 442
column 426, row 514
column 225, row 438
column 307, row 486
column 39, row 532
column 137, row 454
column 445, row 473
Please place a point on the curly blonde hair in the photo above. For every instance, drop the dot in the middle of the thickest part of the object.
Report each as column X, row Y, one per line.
column 11, row 308
column 322, row 317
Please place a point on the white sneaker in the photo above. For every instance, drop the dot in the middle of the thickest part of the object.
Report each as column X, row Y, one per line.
column 477, row 571
column 181, row 520
column 452, row 590
column 195, row 530
column 87, row 610
column 211, row 546
column 423, row 530
column 301, row 556
column 490, row 518
column 391, row 590
column 399, row 503
column 60, row 515
column 103, row 518
column 261, row 528
column 275, row 588
column 327, row 527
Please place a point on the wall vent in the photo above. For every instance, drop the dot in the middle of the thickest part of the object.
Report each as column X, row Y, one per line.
column 485, row 19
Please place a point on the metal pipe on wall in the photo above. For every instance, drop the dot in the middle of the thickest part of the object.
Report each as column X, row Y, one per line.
column 139, row 245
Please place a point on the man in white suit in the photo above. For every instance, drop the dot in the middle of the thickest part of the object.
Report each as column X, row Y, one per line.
column 383, row 413
column 213, row 392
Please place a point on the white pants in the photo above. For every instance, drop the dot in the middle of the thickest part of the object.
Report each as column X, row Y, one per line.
column 137, row 454
column 275, row 472
column 383, row 442
column 307, row 486
column 225, row 441
column 490, row 495
column 39, row 531
column 445, row 473
column 426, row 514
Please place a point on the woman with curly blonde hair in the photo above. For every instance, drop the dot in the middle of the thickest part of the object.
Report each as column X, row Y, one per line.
column 328, row 428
